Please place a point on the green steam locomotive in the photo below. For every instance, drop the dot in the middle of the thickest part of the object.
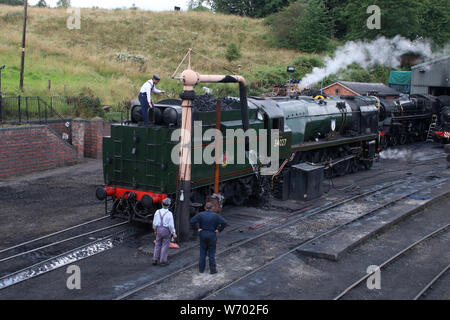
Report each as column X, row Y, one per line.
column 316, row 139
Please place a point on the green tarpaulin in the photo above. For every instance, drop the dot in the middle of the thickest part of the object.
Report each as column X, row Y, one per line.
column 400, row 77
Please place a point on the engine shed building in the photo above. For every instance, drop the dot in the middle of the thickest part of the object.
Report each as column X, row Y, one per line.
column 348, row 88
column 431, row 77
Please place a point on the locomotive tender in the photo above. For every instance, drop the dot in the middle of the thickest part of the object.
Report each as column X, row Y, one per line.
column 316, row 138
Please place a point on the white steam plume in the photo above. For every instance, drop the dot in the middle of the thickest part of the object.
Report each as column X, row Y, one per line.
column 382, row 51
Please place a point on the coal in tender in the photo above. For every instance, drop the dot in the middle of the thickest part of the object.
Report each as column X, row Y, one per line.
column 208, row 103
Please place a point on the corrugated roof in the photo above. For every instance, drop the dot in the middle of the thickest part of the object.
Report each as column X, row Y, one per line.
column 363, row 88
column 430, row 62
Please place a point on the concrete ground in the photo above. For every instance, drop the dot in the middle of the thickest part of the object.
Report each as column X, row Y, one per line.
column 42, row 203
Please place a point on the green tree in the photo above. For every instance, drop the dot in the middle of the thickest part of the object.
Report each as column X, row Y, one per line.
column 304, row 25
column 434, row 19
column 334, row 8
column 400, row 17
column 312, row 29
column 250, row 8
column 42, row 4
column 197, row 5
column 192, row 4
column 280, row 25
column 63, row 4
column 232, row 52
column 12, row 2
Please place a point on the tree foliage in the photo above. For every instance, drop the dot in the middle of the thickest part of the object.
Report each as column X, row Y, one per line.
column 42, row 4
column 409, row 18
column 434, row 19
column 12, row 2
column 232, row 52
column 397, row 17
column 197, row 5
column 281, row 25
column 250, row 8
column 63, row 4
column 308, row 25
column 304, row 25
column 312, row 29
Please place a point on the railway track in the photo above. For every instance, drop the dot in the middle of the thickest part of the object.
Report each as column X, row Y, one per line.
column 395, row 258
column 55, row 243
column 429, row 285
column 31, row 258
column 273, row 254
column 23, row 244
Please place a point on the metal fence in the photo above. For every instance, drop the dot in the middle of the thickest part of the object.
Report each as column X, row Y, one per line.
column 18, row 110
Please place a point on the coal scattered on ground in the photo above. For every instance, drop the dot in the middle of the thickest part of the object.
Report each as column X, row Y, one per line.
column 207, row 102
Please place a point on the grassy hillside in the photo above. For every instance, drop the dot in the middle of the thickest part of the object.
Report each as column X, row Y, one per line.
column 86, row 60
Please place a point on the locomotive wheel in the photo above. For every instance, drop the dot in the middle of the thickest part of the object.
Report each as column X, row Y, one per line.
column 384, row 143
column 328, row 173
column 394, row 141
column 403, row 139
column 117, row 208
column 367, row 164
column 354, row 166
column 341, row 168
column 239, row 194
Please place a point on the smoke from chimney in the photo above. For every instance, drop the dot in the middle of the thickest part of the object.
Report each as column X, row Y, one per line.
column 382, row 51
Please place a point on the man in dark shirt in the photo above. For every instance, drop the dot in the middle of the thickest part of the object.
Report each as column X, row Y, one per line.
column 209, row 225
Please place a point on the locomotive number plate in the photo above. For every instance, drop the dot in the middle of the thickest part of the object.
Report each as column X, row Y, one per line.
column 281, row 142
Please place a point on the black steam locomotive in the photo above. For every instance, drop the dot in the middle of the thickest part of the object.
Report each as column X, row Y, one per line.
column 411, row 118
column 442, row 128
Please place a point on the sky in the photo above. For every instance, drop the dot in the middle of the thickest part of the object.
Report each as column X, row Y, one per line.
column 154, row 5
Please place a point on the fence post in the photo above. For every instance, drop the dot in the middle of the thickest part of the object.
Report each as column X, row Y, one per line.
column 20, row 113
column 26, row 109
column 39, row 109
column 1, row 109
column 45, row 111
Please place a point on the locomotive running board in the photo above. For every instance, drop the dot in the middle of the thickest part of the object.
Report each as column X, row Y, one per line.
column 331, row 143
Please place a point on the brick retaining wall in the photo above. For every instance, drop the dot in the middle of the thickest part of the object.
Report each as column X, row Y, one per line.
column 35, row 148
column 88, row 136
column 41, row 147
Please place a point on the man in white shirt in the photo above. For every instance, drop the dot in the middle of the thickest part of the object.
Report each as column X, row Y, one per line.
column 164, row 228
column 145, row 97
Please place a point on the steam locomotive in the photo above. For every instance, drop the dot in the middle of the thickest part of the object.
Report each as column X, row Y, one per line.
column 317, row 139
column 442, row 128
column 411, row 118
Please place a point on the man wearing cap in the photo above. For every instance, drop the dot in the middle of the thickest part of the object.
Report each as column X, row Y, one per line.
column 145, row 97
column 209, row 225
column 164, row 228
